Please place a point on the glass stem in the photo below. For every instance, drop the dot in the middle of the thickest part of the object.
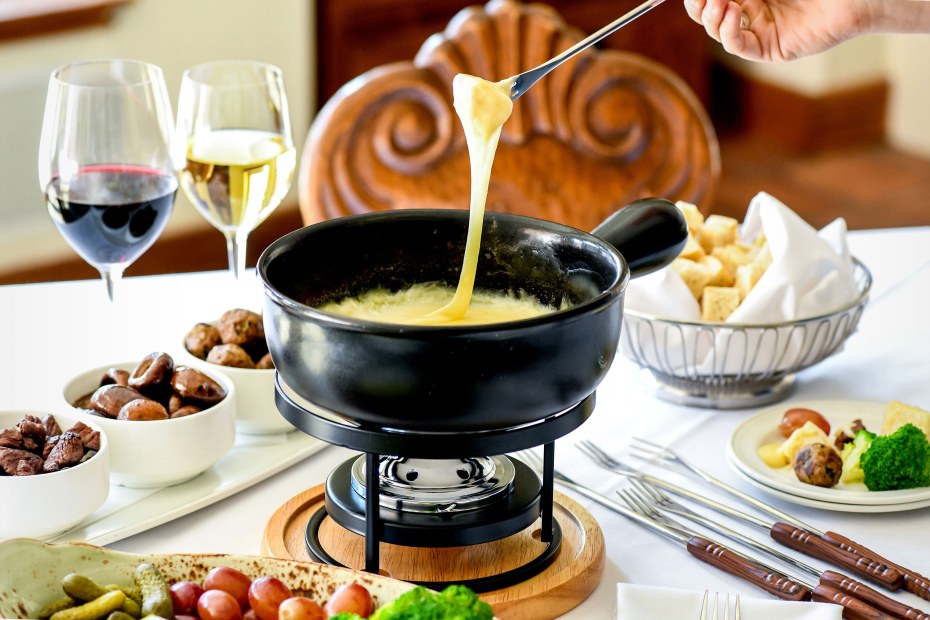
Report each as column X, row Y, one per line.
column 235, row 250
column 111, row 277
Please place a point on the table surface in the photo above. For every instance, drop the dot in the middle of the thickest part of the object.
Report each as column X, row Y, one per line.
column 50, row 332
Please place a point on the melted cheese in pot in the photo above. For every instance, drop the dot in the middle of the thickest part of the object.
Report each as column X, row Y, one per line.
column 409, row 306
column 483, row 108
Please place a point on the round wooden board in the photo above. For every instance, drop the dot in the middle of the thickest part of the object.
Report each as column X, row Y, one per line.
column 564, row 584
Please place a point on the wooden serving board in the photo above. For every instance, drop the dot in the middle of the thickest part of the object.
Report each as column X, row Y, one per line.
column 564, row 584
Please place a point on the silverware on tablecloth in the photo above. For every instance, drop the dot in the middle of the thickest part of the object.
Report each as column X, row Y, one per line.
column 872, row 564
column 706, row 550
column 913, row 581
column 854, row 608
column 654, row 498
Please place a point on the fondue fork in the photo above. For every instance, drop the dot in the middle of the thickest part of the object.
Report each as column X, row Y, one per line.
column 786, row 532
column 912, row 581
column 522, row 82
column 854, row 608
column 655, row 499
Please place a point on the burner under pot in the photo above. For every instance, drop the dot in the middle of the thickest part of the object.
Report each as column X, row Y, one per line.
column 438, row 486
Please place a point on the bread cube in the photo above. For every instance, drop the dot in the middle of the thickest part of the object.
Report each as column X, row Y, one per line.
column 693, row 216
column 718, row 274
column 718, row 302
column 747, row 276
column 692, row 250
column 693, row 274
column 897, row 414
column 734, row 255
column 718, row 230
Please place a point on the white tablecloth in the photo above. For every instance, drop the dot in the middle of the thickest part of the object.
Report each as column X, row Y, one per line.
column 49, row 332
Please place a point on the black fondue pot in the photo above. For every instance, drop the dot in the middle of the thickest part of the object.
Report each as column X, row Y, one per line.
column 457, row 378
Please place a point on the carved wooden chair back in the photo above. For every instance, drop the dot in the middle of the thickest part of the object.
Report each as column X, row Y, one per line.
column 604, row 129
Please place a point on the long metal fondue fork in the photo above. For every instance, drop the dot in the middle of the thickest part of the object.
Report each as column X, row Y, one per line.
column 522, row 82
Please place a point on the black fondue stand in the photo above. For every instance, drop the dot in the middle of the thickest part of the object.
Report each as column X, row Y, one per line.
column 528, row 499
column 439, row 396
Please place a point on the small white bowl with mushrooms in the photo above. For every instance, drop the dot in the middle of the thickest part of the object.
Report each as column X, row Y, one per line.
column 235, row 346
column 54, row 472
column 166, row 423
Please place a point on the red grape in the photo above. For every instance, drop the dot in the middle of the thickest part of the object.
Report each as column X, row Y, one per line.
column 231, row 581
column 352, row 598
column 218, row 605
column 300, row 608
column 265, row 595
column 184, row 595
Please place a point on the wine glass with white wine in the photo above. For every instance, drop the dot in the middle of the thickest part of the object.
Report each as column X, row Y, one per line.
column 105, row 161
column 235, row 151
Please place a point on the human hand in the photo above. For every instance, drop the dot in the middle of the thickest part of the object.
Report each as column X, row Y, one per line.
column 778, row 30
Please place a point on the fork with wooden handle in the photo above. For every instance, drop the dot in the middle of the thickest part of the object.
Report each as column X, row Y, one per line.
column 911, row 580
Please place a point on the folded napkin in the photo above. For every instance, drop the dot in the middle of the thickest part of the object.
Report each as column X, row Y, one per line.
column 636, row 602
column 811, row 274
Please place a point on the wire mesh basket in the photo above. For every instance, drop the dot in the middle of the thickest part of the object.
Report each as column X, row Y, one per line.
column 730, row 366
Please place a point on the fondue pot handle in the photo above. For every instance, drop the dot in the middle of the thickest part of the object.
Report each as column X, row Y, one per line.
column 649, row 233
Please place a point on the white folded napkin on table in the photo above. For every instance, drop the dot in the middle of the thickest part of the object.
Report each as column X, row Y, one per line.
column 638, row 602
column 811, row 274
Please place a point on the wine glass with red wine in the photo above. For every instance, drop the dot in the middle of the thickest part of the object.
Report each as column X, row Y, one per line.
column 105, row 163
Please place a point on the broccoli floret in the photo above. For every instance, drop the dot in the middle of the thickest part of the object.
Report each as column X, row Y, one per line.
column 852, row 453
column 900, row 460
column 453, row 603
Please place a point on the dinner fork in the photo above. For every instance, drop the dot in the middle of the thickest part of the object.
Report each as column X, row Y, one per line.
column 892, row 575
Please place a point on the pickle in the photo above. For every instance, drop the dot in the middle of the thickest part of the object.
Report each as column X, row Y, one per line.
column 156, row 599
column 119, row 615
column 97, row 608
column 131, row 592
column 62, row 603
column 83, row 588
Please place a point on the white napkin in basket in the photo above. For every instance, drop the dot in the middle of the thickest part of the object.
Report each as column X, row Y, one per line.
column 636, row 602
column 811, row 274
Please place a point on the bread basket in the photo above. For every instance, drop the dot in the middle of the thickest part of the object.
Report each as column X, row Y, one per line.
column 735, row 366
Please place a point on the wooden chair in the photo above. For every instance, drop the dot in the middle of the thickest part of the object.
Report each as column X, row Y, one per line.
column 595, row 134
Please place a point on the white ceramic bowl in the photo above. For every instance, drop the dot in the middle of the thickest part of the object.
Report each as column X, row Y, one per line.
column 256, row 412
column 43, row 505
column 159, row 453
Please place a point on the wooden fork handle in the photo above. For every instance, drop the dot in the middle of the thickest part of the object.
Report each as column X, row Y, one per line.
column 872, row 597
column 913, row 582
column 815, row 546
column 853, row 608
column 737, row 564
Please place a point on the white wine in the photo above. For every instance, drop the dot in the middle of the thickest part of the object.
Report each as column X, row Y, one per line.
column 237, row 177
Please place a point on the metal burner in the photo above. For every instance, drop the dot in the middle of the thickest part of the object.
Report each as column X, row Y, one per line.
column 432, row 486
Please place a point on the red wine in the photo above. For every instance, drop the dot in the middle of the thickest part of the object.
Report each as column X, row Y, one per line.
column 111, row 214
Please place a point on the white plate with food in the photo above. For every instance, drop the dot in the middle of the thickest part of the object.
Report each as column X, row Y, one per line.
column 835, row 506
column 762, row 429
